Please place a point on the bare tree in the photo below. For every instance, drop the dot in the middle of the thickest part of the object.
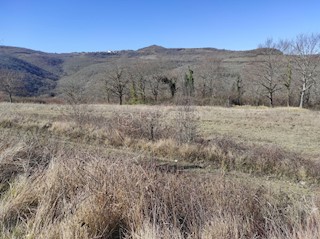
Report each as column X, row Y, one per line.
column 188, row 86
column 117, row 83
column 133, row 96
column 287, row 82
column 269, row 69
column 210, row 76
column 237, row 90
column 137, row 82
column 305, row 50
column 142, row 71
column 73, row 91
column 172, row 83
column 11, row 83
column 287, row 75
column 155, row 82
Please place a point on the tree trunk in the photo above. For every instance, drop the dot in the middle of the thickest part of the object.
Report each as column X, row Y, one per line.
column 10, row 97
column 120, row 99
column 271, row 99
column 288, row 98
column 172, row 89
column 108, row 97
column 302, row 94
column 238, row 95
column 301, row 99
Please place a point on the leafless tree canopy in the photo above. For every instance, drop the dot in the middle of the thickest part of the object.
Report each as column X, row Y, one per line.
column 11, row 83
column 117, row 83
column 268, row 70
column 305, row 50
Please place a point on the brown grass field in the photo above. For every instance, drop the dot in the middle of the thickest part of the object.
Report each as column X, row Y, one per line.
column 149, row 172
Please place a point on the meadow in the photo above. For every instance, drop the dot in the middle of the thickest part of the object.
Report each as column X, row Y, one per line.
column 109, row 171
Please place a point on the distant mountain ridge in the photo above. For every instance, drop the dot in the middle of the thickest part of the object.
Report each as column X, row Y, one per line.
column 43, row 70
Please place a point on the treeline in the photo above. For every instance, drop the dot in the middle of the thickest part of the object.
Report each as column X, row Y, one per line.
column 284, row 73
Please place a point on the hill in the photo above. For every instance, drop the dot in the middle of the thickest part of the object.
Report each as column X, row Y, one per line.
column 43, row 71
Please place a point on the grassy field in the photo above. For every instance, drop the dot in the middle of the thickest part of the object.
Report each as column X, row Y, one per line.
column 106, row 171
column 294, row 129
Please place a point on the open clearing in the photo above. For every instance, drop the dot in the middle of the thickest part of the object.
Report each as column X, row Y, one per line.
column 143, row 172
column 294, row 129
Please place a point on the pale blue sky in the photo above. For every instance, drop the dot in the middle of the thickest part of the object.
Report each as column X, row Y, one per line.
column 100, row 25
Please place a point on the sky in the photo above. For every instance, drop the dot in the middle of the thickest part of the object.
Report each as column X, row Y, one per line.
column 102, row 25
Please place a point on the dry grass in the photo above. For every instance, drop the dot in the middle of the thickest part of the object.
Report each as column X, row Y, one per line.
column 81, row 195
column 291, row 128
column 133, row 172
column 171, row 133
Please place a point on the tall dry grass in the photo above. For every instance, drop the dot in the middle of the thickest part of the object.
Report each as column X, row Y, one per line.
column 60, row 180
column 54, row 191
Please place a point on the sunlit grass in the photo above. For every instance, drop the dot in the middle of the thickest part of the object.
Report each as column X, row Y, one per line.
column 79, row 173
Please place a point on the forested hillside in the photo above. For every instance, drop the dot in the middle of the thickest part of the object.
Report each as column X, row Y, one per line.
column 270, row 75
